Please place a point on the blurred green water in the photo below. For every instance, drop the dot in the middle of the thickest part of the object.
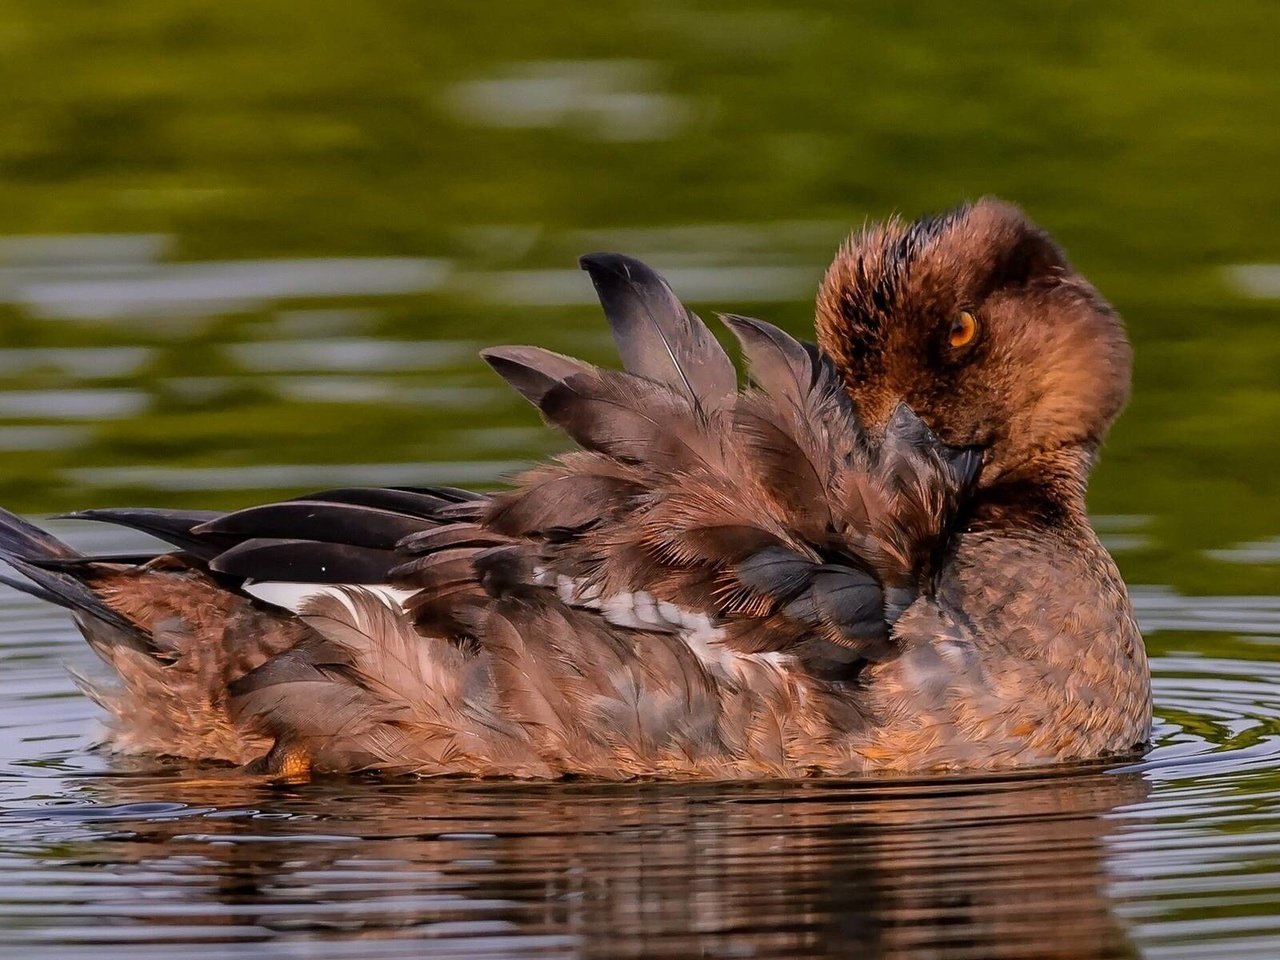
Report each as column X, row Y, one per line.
column 499, row 140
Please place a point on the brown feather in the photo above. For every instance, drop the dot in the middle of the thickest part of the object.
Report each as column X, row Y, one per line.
column 657, row 338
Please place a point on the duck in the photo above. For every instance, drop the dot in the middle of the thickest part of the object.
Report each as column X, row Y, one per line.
column 872, row 557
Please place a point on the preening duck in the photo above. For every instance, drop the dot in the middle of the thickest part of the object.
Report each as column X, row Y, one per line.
column 873, row 557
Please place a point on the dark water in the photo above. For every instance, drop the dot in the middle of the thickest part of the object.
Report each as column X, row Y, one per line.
column 252, row 249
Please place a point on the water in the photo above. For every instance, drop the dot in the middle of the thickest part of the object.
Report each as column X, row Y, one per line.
column 252, row 251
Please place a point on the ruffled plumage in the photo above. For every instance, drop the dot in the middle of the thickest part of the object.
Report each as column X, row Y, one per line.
column 711, row 585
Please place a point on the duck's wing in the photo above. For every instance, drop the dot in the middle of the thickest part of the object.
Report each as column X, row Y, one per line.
column 766, row 518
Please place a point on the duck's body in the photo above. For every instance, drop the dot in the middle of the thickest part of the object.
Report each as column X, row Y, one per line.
column 793, row 579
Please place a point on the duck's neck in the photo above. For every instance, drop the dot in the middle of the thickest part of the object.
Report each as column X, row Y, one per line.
column 1042, row 493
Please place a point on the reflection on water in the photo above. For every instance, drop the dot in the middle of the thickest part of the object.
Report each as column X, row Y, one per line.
column 1004, row 869
column 251, row 253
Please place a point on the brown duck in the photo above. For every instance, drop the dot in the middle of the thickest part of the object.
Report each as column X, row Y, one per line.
column 874, row 557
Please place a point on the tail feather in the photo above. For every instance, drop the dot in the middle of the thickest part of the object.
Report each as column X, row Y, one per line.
column 172, row 526
column 23, row 585
column 22, row 538
column 23, row 546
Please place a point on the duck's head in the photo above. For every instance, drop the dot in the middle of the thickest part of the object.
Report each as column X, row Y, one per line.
column 977, row 321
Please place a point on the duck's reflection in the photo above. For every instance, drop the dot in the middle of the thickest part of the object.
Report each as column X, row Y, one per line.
column 947, row 869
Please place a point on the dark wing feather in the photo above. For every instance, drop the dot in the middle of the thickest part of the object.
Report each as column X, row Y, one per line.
column 348, row 523
column 798, row 427
column 304, row 561
column 657, row 337
column 176, row 527
column 65, row 590
column 22, row 538
column 424, row 502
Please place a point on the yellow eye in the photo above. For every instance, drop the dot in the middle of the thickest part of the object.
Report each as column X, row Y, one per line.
column 964, row 327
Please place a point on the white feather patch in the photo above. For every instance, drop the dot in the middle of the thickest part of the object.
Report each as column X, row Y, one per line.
column 639, row 610
column 292, row 596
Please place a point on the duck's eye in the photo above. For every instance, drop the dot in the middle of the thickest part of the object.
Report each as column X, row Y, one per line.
column 964, row 328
